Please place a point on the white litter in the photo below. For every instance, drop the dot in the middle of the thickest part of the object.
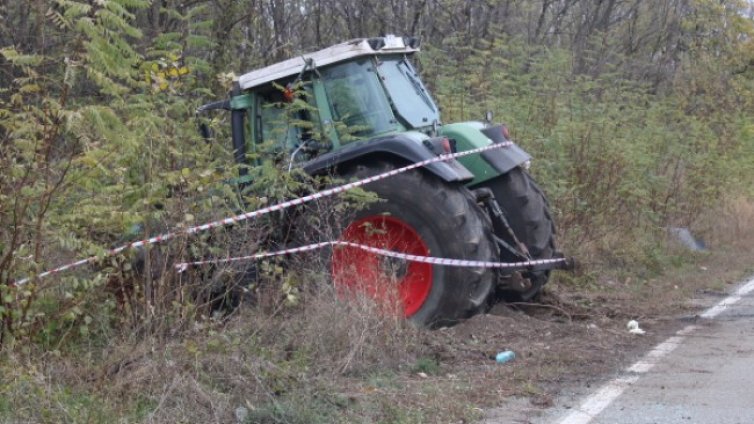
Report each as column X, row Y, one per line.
column 633, row 327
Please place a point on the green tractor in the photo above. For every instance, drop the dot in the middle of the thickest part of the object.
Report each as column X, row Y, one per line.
column 373, row 114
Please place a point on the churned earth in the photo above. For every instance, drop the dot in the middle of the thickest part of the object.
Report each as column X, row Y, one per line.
column 573, row 340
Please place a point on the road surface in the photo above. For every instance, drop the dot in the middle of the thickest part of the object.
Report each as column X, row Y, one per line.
column 702, row 374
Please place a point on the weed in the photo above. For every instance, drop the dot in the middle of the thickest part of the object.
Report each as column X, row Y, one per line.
column 426, row 365
column 382, row 380
column 292, row 411
column 28, row 398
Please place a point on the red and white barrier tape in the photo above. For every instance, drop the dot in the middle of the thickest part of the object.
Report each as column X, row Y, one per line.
column 389, row 253
column 259, row 212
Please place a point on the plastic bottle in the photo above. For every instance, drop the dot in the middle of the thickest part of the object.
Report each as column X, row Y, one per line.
column 505, row 356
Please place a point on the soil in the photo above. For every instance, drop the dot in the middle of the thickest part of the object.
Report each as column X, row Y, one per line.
column 572, row 336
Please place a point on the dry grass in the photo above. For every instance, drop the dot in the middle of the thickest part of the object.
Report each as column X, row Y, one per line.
column 732, row 224
column 306, row 354
column 280, row 362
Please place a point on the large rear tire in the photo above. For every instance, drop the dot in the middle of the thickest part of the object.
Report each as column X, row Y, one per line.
column 528, row 214
column 422, row 215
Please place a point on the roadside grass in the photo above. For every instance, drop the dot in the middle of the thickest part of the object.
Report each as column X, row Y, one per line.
column 39, row 393
column 320, row 358
column 278, row 363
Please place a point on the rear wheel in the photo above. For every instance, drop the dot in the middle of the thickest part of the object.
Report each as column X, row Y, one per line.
column 528, row 214
column 420, row 215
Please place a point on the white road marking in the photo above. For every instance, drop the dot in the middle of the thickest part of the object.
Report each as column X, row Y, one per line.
column 595, row 403
column 602, row 398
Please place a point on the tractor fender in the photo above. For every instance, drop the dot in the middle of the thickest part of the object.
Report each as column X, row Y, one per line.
column 489, row 164
column 503, row 160
column 406, row 148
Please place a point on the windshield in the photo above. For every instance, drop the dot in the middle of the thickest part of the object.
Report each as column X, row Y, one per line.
column 410, row 98
column 358, row 100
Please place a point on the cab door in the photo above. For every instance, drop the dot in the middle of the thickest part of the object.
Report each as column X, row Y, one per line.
column 288, row 122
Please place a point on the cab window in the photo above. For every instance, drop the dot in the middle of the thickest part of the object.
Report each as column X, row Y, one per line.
column 357, row 100
column 286, row 120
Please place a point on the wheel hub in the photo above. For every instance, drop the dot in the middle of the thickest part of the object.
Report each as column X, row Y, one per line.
column 383, row 278
column 395, row 267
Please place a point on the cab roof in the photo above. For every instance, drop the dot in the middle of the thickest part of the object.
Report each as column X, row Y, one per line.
column 342, row 52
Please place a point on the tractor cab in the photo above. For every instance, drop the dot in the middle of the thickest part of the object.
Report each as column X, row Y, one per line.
column 322, row 101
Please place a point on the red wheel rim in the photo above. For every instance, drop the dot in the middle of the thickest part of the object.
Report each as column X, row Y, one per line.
column 381, row 278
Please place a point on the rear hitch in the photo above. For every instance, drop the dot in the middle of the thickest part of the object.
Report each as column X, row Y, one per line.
column 500, row 223
column 566, row 264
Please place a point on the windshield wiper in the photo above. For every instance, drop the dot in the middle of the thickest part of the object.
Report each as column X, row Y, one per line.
column 417, row 85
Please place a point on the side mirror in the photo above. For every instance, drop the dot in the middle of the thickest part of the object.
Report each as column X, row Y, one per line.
column 488, row 117
column 205, row 131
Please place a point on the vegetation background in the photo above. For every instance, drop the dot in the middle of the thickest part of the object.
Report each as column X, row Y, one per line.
column 639, row 114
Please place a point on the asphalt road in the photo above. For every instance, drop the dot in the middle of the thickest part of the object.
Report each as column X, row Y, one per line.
column 707, row 379
column 704, row 373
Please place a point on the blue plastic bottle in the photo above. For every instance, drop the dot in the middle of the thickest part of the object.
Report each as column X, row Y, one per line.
column 505, row 356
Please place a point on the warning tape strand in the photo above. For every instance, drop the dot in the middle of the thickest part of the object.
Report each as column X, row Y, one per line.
column 465, row 263
column 263, row 211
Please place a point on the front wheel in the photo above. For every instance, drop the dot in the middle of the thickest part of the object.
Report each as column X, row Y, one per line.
column 420, row 215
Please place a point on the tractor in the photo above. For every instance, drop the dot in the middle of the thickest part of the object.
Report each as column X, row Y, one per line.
column 373, row 114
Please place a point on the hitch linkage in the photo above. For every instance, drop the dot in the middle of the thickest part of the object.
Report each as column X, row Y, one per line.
column 500, row 225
